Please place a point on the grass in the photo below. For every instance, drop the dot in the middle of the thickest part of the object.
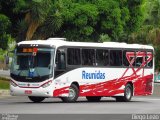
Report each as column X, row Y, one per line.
column 4, row 83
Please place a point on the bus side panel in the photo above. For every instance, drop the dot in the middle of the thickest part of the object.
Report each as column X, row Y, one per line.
column 92, row 82
column 113, row 84
column 143, row 86
column 108, row 88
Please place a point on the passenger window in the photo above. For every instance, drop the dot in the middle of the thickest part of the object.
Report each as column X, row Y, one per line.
column 115, row 57
column 128, row 58
column 73, row 56
column 102, row 57
column 149, row 57
column 140, row 56
column 88, row 57
column 139, row 61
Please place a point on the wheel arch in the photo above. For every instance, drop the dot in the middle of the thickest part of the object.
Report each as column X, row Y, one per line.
column 76, row 83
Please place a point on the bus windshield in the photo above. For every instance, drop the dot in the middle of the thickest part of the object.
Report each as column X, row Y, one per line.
column 33, row 64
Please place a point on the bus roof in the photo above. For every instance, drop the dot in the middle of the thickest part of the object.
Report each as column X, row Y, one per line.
column 58, row 42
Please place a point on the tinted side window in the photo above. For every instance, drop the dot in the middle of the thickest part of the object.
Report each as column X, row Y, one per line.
column 102, row 57
column 73, row 56
column 115, row 57
column 149, row 58
column 128, row 58
column 140, row 58
column 88, row 57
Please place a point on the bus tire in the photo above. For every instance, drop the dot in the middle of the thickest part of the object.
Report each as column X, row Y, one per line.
column 73, row 94
column 128, row 93
column 93, row 98
column 36, row 99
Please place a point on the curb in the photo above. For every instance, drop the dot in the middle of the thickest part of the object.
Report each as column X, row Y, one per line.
column 5, row 77
column 4, row 93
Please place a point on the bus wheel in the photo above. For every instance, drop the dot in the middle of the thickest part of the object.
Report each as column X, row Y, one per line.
column 93, row 98
column 128, row 92
column 73, row 94
column 36, row 99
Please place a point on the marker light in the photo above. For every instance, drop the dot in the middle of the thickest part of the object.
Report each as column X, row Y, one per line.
column 35, row 50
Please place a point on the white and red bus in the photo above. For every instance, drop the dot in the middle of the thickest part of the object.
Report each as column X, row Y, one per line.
column 68, row 70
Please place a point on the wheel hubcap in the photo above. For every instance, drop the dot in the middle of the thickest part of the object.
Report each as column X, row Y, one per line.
column 71, row 93
column 128, row 93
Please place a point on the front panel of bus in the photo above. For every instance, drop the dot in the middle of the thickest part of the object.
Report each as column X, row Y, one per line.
column 32, row 70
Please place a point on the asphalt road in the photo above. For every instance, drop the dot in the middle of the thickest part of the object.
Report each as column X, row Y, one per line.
column 21, row 105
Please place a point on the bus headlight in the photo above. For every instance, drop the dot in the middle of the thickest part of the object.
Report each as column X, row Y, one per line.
column 46, row 84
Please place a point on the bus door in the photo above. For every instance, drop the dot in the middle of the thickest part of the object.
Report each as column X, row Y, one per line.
column 60, row 62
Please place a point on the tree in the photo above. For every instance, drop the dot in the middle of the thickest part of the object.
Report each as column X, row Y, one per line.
column 86, row 20
column 149, row 32
column 4, row 29
column 4, row 40
column 52, row 23
column 35, row 12
column 77, row 20
column 4, row 24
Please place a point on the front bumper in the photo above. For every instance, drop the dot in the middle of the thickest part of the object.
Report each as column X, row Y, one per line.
column 43, row 92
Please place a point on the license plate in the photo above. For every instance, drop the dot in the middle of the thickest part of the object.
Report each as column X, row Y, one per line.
column 28, row 92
